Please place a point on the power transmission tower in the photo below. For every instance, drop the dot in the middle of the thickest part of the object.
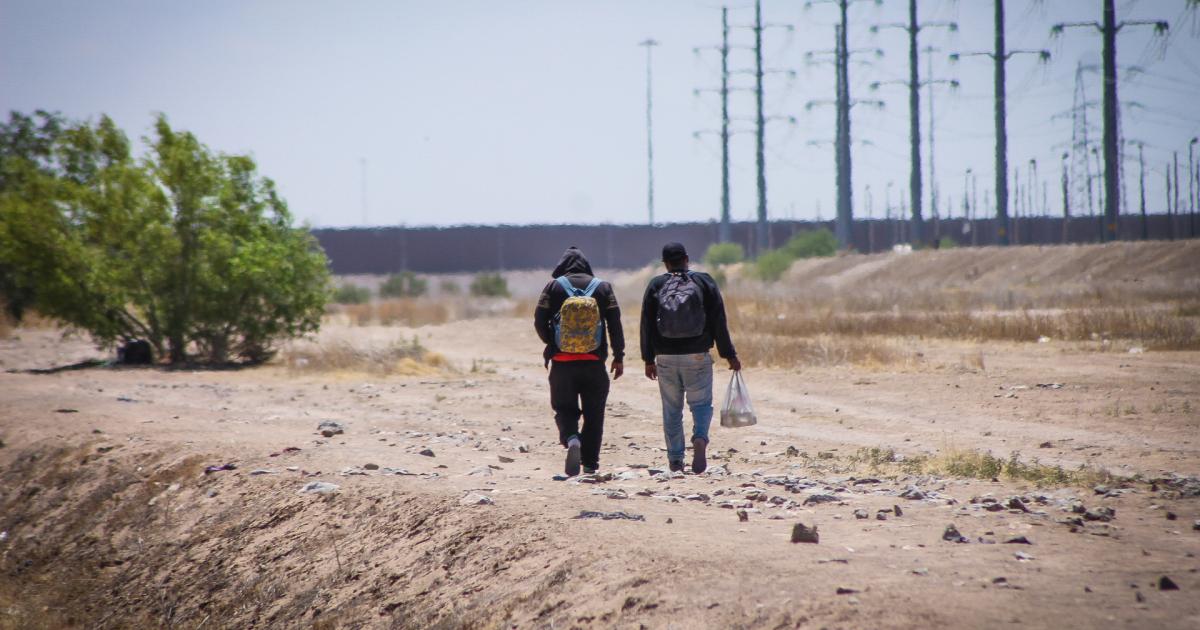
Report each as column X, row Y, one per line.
column 1000, row 56
column 914, row 28
column 1108, row 30
column 843, row 226
column 723, row 230
column 762, row 233
column 649, row 44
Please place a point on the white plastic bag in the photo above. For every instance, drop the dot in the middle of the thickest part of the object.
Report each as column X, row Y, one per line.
column 737, row 411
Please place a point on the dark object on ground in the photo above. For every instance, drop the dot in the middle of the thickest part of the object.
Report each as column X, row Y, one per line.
column 803, row 534
column 427, row 452
column 136, row 352
column 330, row 428
column 611, row 516
column 1018, row 540
column 897, row 511
column 743, row 515
column 82, row 365
column 213, row 469
column 846, row 590
column 1167, row 584
column 952, row 535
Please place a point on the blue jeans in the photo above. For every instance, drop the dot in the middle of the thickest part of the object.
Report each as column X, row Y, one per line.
column 680, row 375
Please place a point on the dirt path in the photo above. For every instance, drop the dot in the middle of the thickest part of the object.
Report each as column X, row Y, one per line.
column 240, row 549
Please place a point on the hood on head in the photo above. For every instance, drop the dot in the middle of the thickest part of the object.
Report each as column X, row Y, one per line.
column 572, row 261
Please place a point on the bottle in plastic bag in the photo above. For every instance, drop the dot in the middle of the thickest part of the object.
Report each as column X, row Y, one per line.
column 737, row 411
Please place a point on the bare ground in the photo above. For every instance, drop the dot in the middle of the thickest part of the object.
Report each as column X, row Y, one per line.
column 110, row 521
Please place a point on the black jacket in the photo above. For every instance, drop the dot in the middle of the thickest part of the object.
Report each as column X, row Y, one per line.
column 576, row 268
column 715, row 327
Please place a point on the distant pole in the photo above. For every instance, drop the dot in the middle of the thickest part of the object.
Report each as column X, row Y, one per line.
column 723, row 234
column 1142, row 190
column 1170, row 219
column 1191, row 190
column 649, row 44
column 1066, row 196
column 914, row 106
column 763, row 241
column 1111, row 183
column 844, row 217
column 363, row 163
column 933, row 187
column 1178, row 187
column 1001, row 127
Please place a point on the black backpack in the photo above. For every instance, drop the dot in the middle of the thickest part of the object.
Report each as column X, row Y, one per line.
column 681, row 307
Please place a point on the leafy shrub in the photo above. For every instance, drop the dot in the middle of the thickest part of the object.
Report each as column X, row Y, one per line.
column 190, row 250
column 770, row 266
column 812, row 244
column 489, row 285
column 403, row 284
column 724, row 254
column 351, row 294
column 947, row 243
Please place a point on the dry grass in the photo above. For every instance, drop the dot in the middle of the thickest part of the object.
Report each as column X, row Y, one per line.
column 971, row 464
column 414, row 312
column 400, row 358
column 1155, row 328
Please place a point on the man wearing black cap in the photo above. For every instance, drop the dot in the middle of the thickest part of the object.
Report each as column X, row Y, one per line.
column 683, row 315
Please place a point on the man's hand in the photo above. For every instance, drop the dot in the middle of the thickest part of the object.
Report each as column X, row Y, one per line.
column 735, row 364
column 618, row 368
column 652, row 371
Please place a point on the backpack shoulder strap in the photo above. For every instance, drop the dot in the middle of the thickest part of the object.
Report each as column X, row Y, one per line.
column 591, row 287
column 567, row 286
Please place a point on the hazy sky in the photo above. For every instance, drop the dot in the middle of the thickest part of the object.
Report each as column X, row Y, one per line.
column 491, row 111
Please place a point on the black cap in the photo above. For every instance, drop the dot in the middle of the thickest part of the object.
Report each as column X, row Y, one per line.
column 674, row 252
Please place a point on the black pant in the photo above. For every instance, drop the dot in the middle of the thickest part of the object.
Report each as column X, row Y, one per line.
column 573, row 383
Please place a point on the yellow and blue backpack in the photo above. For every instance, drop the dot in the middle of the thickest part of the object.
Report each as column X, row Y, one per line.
column 578, row 328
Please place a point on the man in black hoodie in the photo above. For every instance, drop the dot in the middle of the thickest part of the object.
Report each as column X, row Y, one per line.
column 578, row 381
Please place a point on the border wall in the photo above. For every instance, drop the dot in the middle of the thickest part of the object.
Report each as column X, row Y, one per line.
column 472, row 248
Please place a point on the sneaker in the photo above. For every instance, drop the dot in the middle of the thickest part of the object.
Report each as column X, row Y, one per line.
column 590, row 470
column 699, row 461
column 573, row 455
column 676, row 466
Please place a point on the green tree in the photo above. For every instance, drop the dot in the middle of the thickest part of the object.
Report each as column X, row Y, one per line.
column 404, row 284
column 724, row 254
column 188, row 249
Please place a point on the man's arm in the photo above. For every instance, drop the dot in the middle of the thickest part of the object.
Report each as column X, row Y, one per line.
column 649, row 325
column 720, row 328
column 612, row 321
column 542, row 316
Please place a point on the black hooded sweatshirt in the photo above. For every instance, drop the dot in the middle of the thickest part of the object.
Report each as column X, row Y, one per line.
column 577, row 270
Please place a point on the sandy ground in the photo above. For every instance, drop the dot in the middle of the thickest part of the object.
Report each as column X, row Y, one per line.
column 109, row 520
